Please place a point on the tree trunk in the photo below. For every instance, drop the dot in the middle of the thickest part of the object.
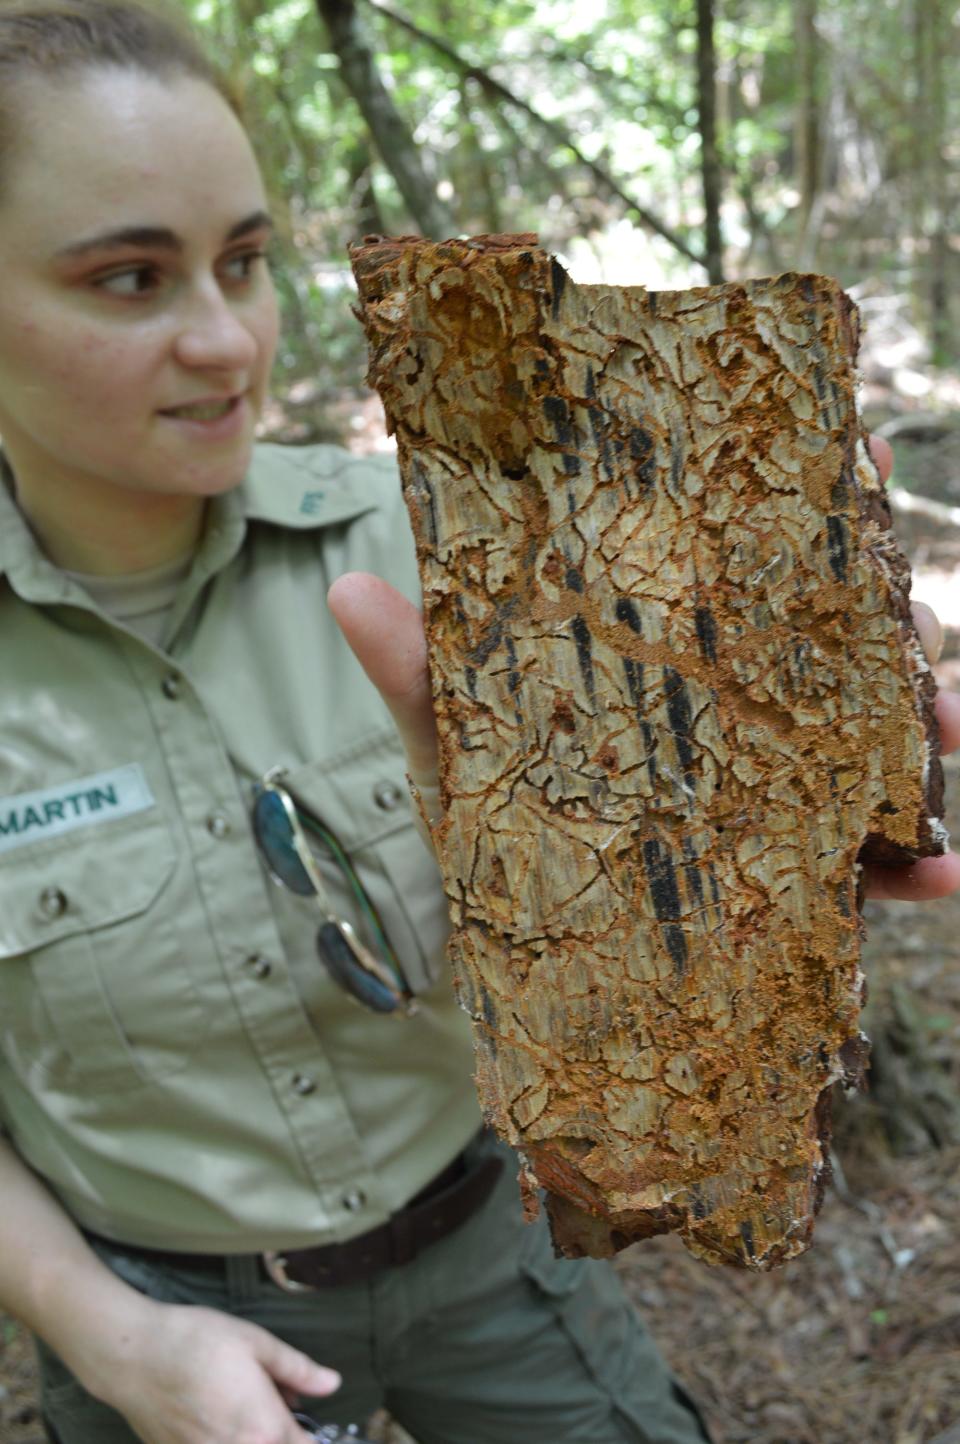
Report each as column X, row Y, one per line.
column 942, row 338
column 709, row 152
column 679, row 695
column 741, row 96
column 930, row 201
column 474, row 177
column 807, row 127
column 390, row 132
column 365, row 208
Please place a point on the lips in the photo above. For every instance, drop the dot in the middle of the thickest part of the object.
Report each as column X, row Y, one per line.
column 212, row 408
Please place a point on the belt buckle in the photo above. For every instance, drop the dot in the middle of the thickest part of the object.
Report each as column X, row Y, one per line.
column 275, row 1265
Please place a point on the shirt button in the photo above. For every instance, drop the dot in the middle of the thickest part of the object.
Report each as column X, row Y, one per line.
column 170, row 686
column 260, row 966
column 53, row 903
column 354, row 1200
column 303, row 1084
column 217, row 825
column 387, row 796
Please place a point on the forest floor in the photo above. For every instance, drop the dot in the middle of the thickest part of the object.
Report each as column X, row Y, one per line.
column 858, row 1341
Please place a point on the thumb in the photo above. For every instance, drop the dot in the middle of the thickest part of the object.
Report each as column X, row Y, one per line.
column 293, row 1371
column 385, row 632
column 929, row 630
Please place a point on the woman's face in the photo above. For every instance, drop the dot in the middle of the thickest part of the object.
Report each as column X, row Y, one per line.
column 137, row 317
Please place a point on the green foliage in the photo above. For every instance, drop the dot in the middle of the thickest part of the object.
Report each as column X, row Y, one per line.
column 613, row 83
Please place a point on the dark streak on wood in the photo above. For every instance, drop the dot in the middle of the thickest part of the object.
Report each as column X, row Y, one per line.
column 654, row 554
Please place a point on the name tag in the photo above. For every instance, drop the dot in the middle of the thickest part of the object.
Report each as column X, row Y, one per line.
column 33, row 816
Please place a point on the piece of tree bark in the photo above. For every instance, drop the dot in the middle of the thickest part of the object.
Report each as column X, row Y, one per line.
column 679, row 694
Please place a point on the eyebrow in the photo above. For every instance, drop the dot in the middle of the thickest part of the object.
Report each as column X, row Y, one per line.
column 159, row 237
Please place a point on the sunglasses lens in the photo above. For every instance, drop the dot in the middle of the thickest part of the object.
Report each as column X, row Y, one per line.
column 307, row 1424
column 272, row 828
column 342, row 965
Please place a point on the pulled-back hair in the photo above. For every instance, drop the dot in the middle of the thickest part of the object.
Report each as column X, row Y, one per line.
column 51, row 38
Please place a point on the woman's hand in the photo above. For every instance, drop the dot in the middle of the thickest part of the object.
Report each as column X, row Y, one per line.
column 933, row 877
column 386, row 633
column 180, row 1375
column 186, row 1375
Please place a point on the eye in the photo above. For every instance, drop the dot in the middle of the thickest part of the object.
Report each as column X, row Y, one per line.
column 133, row 281
column 241, row 267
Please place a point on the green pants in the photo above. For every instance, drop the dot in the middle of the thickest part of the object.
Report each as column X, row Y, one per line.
column 485, row 1338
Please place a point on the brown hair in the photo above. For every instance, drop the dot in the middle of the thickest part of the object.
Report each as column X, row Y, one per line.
column 53, row 37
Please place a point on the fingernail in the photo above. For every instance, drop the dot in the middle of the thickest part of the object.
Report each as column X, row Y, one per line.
column 930, row 630
column 330, row 1380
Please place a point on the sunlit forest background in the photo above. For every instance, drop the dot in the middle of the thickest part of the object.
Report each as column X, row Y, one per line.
column 675, row 143
column 647, row 142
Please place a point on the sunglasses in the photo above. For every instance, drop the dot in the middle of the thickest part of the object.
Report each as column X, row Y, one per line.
column 329, row 1432
column 281, row 825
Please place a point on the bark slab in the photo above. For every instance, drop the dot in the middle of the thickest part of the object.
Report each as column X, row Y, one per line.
column 679, row 696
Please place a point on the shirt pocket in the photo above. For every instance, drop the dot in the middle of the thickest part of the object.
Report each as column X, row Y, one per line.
column 96, row 989
column 361, row 794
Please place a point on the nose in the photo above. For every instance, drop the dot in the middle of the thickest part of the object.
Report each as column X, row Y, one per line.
column 212, row 334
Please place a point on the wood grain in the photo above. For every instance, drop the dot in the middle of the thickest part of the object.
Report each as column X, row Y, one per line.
column 679, row 697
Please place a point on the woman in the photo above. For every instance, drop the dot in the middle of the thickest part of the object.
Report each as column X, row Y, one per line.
column 225, row 1185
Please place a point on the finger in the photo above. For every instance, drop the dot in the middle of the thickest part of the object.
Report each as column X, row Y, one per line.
column 932, row 877
column 385, row 631
column 882, row 453
column 929, row 630
column 291, row 1370
column 948, row 719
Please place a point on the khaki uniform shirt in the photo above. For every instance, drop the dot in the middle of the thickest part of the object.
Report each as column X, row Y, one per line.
column 174, row 1059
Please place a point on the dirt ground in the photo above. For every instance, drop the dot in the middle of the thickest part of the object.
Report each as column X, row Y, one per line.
column 858, row 1342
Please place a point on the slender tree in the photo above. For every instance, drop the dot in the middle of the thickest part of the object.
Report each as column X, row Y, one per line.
column 709, row 150
column 389, row 130
column 364, row 206
column 929, row 174
column 807, row 127
column 938, row 184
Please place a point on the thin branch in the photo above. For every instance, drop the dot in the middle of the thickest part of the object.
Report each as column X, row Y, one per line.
column 496, row 90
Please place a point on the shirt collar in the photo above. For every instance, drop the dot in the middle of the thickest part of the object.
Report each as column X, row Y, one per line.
column 299, row 488
column 306, row 487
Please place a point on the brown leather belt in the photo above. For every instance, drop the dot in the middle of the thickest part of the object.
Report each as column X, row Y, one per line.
column 446, row 1203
